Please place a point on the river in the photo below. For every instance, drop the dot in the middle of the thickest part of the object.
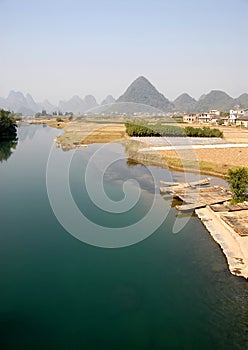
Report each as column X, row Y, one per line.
column 60, row 290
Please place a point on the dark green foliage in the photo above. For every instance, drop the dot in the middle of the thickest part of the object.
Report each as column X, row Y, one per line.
column 238, row 182
column 202, row 132
column 141, row 129
column 153, row 130
column 8, row 127
column 6, row 149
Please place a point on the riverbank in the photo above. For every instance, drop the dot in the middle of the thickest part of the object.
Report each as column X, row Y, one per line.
column 210, row 156
column 210, row 161
column 234, row 247
column 183, row 160
column 50, row 122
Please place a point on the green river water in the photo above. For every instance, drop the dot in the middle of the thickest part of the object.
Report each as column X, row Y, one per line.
column 169, row 291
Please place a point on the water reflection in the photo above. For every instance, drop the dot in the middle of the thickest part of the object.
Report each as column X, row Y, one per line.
column 6, row 149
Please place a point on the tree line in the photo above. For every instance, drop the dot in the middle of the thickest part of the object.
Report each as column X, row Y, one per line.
column 142, row 129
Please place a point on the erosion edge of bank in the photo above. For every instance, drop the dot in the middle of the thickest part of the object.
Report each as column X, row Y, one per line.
column 234, row 247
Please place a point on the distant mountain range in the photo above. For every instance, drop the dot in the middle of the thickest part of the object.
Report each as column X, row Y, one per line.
column 19, row 103
column 143, row 92
column 140, row 96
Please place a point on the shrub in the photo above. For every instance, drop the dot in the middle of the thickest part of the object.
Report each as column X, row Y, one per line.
column 238, row 182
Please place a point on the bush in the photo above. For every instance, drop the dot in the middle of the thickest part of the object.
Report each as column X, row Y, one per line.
column 203, row 132
column 238, row 182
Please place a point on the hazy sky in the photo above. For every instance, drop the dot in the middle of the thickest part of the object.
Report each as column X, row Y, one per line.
column 57, row 48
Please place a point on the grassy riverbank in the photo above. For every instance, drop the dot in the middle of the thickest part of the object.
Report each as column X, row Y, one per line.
column 213, row 162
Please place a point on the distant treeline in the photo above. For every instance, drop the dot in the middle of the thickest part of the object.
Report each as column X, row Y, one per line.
column 170, row 130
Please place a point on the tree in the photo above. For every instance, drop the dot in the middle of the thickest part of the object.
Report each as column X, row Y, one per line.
column 238, row 182
column 6, row 148
column 8, row 127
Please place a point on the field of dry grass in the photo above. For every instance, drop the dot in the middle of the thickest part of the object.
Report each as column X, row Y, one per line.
column 236, row 135
column 210, row 161
column 81, row 133
column 109, row 133
column 213, row 161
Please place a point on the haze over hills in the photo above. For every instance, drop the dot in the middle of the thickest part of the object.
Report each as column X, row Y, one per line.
column 17, row 102
column 108, row 100
column 140, row 96
column 78, row 105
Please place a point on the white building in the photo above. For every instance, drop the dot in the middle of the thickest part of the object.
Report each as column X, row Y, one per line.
column 204, row 118
column 214, row 112
column 237, row 113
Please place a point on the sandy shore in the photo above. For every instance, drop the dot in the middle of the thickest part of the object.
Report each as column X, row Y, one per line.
column 233, row 245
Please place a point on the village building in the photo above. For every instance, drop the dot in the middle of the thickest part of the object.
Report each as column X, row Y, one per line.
column 204, row 118
column 214, row 113
column 190, row 118
column 237, row 114
column 212, row 117
column 242, row 121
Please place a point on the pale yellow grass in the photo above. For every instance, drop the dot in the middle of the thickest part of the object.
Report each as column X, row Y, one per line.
column 109, row 133
column 77, row 133
column 211, row 161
